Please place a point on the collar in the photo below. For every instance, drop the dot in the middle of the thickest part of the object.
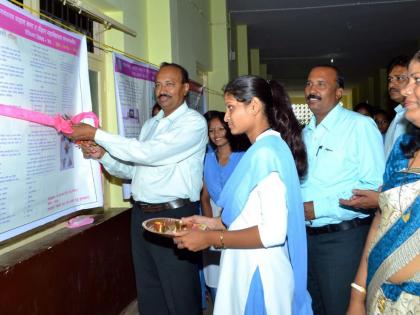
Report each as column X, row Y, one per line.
column 266, row 132
column 399, row 109
column 330, row 120
column 181, row 110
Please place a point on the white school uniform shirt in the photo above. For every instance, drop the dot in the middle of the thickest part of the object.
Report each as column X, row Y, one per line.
column 266, row 207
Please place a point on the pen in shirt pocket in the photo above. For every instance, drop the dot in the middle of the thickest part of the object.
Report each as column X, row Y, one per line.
column 321, row 147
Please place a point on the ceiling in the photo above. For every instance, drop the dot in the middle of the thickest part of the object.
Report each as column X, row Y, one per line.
column 361, row 36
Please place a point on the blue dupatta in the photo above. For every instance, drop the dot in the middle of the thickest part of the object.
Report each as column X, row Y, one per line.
column 267, row 155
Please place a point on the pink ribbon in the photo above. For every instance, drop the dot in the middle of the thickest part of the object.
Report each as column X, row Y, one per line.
column 58, row 122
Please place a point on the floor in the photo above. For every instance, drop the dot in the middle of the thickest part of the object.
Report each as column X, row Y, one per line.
column 131, row 309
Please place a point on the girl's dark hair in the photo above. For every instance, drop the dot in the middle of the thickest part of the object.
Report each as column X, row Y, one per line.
column 237, row 142
column 278, row 109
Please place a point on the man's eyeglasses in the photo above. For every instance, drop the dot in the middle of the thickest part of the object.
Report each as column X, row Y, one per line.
column 398, row 78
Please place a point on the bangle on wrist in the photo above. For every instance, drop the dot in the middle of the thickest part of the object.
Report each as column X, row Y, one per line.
column 221, row 239
column 358, row 288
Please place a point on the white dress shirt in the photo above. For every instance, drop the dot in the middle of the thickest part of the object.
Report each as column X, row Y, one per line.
column 165, row 162
column 396, row 128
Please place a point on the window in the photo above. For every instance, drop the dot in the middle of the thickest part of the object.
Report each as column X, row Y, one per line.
column 69, row 16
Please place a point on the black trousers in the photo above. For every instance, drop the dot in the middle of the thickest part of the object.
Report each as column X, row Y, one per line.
column 167, row 279
column 333, row 259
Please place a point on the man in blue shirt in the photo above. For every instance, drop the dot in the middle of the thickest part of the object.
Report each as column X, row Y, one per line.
column 345, row 152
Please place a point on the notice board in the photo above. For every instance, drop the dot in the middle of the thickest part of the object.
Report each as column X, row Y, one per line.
column 43, row 176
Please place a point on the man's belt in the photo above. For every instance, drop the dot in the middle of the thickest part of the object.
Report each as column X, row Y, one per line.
column 343, row 226
column 156, row 207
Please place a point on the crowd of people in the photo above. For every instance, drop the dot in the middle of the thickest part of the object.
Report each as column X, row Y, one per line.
column 298, row 221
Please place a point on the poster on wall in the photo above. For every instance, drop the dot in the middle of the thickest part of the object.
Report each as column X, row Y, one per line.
column 43, row 176
column 196, row 98
column 134, row 93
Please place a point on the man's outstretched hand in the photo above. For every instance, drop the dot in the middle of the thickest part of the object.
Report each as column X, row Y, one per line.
column 362, row 199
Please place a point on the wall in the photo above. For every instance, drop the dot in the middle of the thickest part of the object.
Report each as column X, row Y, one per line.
column 190, row 30
column 219, row 74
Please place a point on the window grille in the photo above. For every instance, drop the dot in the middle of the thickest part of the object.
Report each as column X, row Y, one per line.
column 69, row 16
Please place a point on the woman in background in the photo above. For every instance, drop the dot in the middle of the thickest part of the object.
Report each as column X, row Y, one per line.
column 382, row 121
column 390, row 267
column 364, row 108
column 263, row 268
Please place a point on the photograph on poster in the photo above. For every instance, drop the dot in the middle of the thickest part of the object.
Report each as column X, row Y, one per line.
column 66, row 154
column 131, row 114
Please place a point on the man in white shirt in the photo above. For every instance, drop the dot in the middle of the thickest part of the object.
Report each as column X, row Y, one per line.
column 397, row 80
column 165, row 165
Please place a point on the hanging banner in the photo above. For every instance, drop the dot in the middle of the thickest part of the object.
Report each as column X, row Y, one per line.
column 196, row 98
column 43, row 176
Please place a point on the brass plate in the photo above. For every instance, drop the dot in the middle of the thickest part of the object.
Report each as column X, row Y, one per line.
column 169, row 226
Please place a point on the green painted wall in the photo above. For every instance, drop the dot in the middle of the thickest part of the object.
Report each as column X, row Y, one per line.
column 242, row 49
column 254, row 56
column 263, row 70
column 219, row 74
column 191, row 35
column 131, row 13
column 158, row 26
column 383, row 89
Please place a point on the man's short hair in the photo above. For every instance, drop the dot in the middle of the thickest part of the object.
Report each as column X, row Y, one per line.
column 184, row 72
column 401, row 61
column 340, row 78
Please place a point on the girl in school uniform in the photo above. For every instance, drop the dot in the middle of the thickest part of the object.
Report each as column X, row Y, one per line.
column 261, row 230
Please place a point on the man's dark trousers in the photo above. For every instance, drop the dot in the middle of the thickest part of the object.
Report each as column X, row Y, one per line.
column 167, row 278
column 333, row 259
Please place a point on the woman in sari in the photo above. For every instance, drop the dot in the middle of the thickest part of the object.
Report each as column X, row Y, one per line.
column 263, row 268
column 219, row 163
column 390, row 266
